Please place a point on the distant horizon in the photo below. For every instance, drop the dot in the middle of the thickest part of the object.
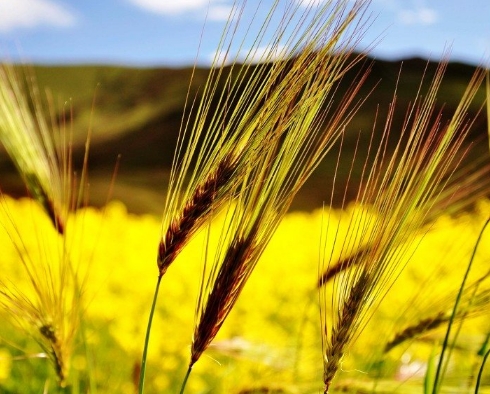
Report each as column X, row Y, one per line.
column 204, row 65
column 155, row 33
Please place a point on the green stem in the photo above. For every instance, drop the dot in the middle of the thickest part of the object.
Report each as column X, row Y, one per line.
column 147, row 338
column 186, row 378
column 480, row 373
column 454, row 312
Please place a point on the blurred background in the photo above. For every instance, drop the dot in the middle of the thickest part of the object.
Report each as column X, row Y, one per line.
column 124, row 66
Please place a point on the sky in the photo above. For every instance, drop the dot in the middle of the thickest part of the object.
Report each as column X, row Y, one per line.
column 171, row 32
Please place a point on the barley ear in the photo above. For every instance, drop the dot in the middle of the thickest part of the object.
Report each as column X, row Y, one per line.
column 274, row 123
column 417, row 329
column 184, row 224
column 345, row 328
column 399, row 192
column 29, row 143
column 49, row 307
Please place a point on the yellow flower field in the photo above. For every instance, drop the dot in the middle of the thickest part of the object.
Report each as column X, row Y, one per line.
column 271, row 340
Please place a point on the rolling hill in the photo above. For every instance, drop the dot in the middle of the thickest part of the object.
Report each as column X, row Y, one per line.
column 136, row 113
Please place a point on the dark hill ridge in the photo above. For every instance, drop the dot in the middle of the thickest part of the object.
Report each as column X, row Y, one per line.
column 137, row 113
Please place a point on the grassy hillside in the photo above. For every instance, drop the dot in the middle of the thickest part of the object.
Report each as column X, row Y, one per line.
column 136, row 113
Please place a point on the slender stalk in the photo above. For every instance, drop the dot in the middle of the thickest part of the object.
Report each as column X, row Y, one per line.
column 186, row 378
column 480, row 372
column 478, row 366
column 455, row 309
column 147, row 338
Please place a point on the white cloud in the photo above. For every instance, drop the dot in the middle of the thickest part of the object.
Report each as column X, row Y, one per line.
column 170, row 6
column 218, row 58
column 31, row 13
column 310, row 3
column 262, row 53
column 418, row 16
column 315, row 3
column 255, row 55
column 216, row 9
column 220, row 12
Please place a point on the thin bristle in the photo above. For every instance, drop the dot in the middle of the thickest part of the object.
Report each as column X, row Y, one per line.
column 464, row 188
column 47, row 318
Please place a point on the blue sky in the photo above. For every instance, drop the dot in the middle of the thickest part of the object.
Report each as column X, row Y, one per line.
column 167, row 32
